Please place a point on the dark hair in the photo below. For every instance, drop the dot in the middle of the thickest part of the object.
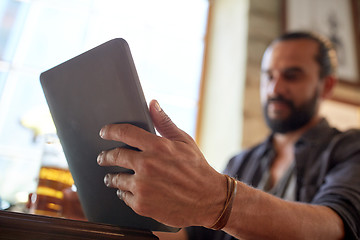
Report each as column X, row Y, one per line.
column 326, row 56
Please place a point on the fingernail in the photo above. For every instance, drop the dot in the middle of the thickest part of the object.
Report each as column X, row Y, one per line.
column 100, row 157
column 102, row 132
column 118, row 193
column 157, row 106
column 107, row 180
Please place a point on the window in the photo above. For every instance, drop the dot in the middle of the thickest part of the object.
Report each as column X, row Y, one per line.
column 165, row 37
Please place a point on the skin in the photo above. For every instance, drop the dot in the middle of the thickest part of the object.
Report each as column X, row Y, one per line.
column 175, row 185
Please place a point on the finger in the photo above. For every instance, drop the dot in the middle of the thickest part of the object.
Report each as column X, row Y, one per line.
column 165, row 125
column 119, row 181
column 122, row 183
column 121, row 157
column 125, row 196
column 128, row 134
column 122, row 194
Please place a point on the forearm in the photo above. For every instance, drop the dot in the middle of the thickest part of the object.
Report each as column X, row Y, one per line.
column 258, row 215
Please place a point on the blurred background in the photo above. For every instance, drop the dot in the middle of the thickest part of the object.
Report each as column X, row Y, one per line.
column 199, row 58
column 166, row 39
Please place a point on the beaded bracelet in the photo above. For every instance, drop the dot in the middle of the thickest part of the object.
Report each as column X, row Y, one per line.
column 230, row 195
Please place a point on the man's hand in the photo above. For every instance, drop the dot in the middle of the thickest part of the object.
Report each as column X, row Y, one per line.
column 173, row 183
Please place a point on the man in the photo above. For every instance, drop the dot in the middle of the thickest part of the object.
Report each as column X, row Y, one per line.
column 306, row 172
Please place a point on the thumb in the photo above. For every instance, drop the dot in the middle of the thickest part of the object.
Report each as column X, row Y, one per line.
column 164, row 125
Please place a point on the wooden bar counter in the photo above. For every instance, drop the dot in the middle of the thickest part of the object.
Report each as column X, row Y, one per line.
column 21, row 226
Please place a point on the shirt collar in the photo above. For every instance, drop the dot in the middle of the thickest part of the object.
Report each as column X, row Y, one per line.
column 316, row 134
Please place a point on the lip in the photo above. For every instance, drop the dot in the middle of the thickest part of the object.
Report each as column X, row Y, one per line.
column 278, row 107
column 278, row 104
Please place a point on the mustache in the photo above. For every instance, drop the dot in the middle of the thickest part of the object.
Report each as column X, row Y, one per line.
column 281, row 99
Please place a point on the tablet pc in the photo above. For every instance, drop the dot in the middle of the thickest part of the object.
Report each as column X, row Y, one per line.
column 98, row 87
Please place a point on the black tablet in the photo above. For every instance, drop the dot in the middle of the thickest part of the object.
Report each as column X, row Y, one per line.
column 98, row 87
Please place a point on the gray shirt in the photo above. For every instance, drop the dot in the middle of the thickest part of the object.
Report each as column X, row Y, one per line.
column 327, row 172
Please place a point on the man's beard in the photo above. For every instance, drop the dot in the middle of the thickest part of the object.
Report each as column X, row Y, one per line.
column 298, row 117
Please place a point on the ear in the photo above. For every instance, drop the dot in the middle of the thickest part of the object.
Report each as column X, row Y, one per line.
column 329, row 84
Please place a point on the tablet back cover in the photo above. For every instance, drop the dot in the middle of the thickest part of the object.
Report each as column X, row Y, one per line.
column 85, row 93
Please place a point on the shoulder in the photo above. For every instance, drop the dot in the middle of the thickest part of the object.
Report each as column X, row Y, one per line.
column 332, row 144
column 351, row 135
column 345, row 144
column 333, row 135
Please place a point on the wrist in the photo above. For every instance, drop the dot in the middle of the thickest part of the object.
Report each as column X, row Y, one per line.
column 210, row 206
column 224, row 216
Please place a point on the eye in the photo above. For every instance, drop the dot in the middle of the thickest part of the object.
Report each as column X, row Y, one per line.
column 267, row 75
column 293, row 74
